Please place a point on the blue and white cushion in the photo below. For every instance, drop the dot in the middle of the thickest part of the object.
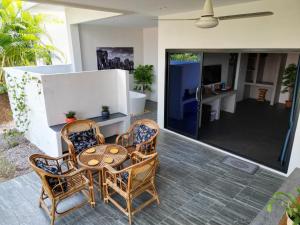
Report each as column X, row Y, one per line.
column 51, row 180
column 143, row 133
column 83, row 140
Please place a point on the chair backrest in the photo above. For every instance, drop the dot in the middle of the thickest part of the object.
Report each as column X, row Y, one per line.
column 43, row 174
column 147, row 122
column 79, row 126
column 143, row 172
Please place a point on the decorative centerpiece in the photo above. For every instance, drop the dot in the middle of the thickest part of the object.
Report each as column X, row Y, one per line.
column 70, row 116
column 291, row 204
column 105, row 112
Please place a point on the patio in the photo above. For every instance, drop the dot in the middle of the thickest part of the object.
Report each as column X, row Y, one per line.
column 194, row 188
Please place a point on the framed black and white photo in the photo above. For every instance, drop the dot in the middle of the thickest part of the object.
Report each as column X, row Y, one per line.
column 115, row 58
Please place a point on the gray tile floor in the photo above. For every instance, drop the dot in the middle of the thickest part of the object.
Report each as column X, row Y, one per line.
column 194, row 188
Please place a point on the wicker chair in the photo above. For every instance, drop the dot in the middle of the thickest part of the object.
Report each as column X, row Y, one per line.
column 131, row 182
column 79, row 126
column 60, row 180
column 147, row 147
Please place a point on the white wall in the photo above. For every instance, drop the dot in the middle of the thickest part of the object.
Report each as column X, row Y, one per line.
column 56, row 28
column 52, row 69
column 84, row 93
column 253, row 33
column 93, row 36
column 38, row 132
column 150, row 50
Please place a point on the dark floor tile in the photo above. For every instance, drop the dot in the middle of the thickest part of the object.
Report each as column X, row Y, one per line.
column 224, row 188
column 193, row 185
column 253, row 197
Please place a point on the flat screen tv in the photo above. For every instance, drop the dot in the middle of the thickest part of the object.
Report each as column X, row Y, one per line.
column 211, row 74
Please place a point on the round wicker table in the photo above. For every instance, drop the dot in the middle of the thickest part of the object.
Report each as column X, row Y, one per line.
column 101, row 153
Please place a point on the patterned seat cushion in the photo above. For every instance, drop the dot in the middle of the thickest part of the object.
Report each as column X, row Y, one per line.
column 83, row 140
column 143, row 133
column 47, row 168
column 52, row 169
column 125, row 177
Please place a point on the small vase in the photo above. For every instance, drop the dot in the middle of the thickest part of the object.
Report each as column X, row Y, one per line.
column 105, row 114
column 70, row 120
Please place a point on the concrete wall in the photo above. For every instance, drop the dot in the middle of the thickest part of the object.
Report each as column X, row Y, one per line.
column 66, row 68
column 83, row 93
column 150, row 50
column 253, row 33
column 93, row 36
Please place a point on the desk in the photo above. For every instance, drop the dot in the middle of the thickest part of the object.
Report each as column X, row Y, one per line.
column 225, row 101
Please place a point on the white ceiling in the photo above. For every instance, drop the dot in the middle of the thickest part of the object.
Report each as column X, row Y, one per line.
column 145, row 7
column 132, row 20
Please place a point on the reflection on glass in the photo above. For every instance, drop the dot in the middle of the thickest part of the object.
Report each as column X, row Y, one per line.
column 183, row 82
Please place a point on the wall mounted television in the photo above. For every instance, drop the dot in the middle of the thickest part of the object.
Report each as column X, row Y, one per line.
column 211, row 74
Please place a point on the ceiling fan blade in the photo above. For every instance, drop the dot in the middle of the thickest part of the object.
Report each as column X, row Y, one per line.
column 178, row 19
column 246, row 15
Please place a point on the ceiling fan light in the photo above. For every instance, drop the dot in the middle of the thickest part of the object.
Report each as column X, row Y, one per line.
column 207, row 22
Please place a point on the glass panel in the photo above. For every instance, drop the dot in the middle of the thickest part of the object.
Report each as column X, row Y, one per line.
column 184, row 76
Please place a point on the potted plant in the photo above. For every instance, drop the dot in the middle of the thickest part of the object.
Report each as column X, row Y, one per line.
column 70, row 116
column 291, row 204
column 288, row 81
column 143, row 78
column 105, row 112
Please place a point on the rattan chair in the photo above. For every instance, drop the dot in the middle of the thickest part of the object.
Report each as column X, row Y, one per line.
column 127, row 139
column 79, row 126
column 131, row 182
column 64, row 183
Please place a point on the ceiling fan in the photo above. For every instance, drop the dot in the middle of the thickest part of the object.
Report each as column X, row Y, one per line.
column 208, row 20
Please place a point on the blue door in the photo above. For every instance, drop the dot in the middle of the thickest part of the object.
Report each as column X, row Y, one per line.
column 183, row 92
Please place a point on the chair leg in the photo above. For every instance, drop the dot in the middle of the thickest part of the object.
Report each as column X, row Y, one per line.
column 155, row 193
column 105, row 188
column 91, row 189
column 41, row 198
column 129, row 210
column 92, row 197
column 52, row 213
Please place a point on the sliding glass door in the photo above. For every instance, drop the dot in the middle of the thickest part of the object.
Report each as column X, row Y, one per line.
column 288, row 144
column 183, row 92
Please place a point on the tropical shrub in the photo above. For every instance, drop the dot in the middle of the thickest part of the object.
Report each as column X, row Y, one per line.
column 143, row 78
column 21, row 35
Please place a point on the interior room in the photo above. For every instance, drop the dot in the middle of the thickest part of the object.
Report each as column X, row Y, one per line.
column 240, row 107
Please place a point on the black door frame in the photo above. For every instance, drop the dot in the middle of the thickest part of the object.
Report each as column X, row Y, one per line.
column 203, row 51
column 174, row 51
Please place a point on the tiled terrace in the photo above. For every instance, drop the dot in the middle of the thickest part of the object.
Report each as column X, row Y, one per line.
column 194, row 188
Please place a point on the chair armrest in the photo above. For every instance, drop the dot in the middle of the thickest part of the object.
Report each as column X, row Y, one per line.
column 146, row 144
column 100, row 138
column 112, row 176
column 120, row 138
column 110, row 169
column 63, row 156
column 69, row 181
column 137, row 157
